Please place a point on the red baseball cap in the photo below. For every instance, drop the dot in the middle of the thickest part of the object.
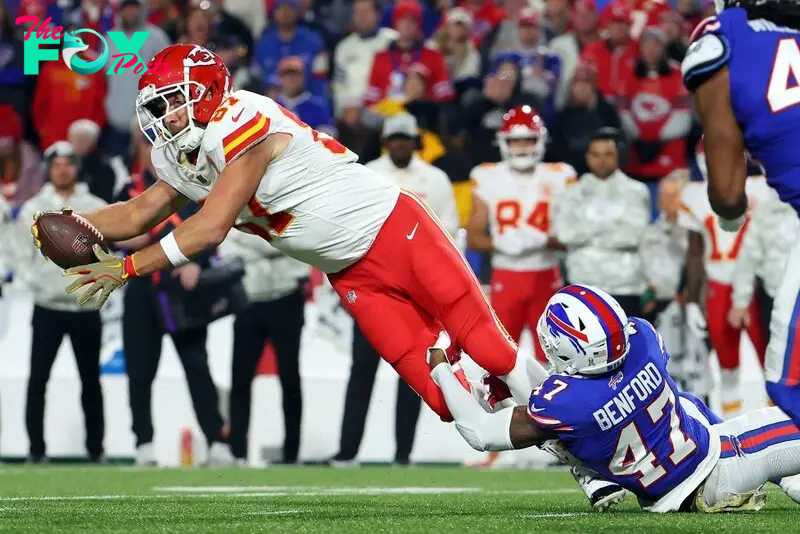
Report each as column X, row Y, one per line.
column 621, row 13
column 10, row 126
column 407, row 9
column 529, row 15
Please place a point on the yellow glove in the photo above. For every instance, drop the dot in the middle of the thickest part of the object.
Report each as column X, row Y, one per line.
column 105, row 276
column 35, row 227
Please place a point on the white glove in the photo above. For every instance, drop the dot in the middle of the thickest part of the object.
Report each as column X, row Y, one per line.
column 696, row 320
column 732, row 225
column 519, row 241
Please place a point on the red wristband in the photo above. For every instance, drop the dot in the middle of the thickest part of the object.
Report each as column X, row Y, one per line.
column 128, row 268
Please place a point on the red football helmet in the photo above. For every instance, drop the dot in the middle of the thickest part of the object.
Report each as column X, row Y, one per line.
column 522, row 122
column 189, row 71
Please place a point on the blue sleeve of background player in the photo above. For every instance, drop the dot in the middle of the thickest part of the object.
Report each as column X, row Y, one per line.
column 552, row 404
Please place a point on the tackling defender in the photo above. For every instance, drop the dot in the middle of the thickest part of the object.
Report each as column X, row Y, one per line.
column 744, row 101
column 613, row 405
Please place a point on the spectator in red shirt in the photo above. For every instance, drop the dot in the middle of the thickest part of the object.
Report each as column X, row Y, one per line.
column 615, row 54
column 672, row 24
column 486, row 16
column 643, row 13
column 693, row 12
column 389, row 69
column 62, row 96
column 568, row 47
column 655, row 111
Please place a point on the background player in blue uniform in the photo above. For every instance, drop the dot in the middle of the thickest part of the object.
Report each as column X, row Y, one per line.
column 613, row 405
column 744, row 68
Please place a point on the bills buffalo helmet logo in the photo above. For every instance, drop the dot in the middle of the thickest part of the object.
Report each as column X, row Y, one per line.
column 561, row 326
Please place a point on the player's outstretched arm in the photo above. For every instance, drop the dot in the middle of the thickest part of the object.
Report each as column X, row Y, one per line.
column 724, row 147
column 507, row 429
column 124, row 220
column 209, row 226
column 204, row 230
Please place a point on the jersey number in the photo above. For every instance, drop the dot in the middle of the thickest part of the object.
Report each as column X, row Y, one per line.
column 220, row 112
column 509, row 212
column 334, row 146
column 784, row 81
column 271, row 222
column 560, row 386
column 633, row 458
column 717, row 254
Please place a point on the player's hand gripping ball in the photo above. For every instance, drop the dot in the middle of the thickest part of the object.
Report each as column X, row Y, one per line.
column 66, row 238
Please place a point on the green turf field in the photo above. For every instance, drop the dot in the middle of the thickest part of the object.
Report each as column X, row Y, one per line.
column 321, row 500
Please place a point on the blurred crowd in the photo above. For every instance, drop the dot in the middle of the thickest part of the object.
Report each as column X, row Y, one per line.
column 344, row 65
column 418, row 88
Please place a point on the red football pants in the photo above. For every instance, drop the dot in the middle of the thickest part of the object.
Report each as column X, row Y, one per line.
column 412, row 284
column 725, row 338
column 519, row 298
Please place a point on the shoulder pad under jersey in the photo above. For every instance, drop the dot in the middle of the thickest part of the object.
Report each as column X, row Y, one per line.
column 707, row 54
column 237, row 125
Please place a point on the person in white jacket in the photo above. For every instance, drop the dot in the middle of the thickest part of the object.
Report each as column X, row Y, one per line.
column 5, row 252
column 400, row 133
column 55, row 313
column 601, row 220
column 275, row 287
column 764, row 254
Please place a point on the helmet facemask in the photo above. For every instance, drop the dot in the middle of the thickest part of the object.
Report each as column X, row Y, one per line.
column 154, row 105
column 522, row 158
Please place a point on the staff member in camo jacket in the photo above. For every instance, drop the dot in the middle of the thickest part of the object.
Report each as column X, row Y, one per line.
column 601, row 220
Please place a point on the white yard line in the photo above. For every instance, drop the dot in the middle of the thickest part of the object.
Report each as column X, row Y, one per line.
column 314, row 490
column 545, row 516
column 274, row 512
column 210, row 492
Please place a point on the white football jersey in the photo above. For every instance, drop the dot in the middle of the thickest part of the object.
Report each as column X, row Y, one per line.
column 515, row 199
column 314, row 202
column 721, row 247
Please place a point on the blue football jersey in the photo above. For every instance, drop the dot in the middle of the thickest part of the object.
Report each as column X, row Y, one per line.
column 763, row 62
column 628, row 426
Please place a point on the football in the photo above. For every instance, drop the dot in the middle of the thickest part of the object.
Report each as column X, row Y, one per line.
column 67, row 238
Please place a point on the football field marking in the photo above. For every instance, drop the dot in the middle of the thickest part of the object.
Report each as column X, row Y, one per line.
column 274, row 512
column 313, row 491
column 211, row 492
column 545, row 516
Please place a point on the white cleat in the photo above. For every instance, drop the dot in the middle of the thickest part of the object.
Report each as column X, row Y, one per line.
column 791, row 487
column 220, row 455
column 602, row 494
column 145, row 455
